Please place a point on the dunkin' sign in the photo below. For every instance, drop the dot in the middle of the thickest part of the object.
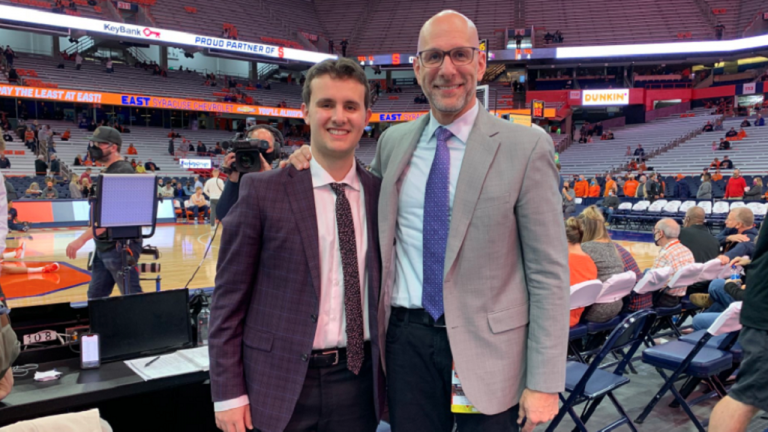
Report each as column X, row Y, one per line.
column 605, row 97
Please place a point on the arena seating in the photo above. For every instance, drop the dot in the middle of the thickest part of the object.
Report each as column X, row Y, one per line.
column 177, row 84
column 83, row 8
column 601, row 156
column 749, row 155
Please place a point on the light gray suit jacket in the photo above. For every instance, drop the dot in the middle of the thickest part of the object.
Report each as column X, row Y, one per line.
column 506, row 288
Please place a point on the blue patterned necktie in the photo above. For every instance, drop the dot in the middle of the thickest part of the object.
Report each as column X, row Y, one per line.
column 436, row 225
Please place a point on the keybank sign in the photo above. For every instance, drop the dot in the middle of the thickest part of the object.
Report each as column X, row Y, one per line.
column 122, row 30
column 171, row 37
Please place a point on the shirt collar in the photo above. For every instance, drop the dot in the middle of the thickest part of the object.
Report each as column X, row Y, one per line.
column 320, row 176
column 460, row 128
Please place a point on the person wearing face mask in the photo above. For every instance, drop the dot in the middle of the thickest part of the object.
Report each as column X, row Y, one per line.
column 107, row 260
column 569, row 200
column 594, row 189
column 705, row 188
column 673, row 254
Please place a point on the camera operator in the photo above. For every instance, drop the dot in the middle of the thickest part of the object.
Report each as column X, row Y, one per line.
column 232, row 186
column 107, row 259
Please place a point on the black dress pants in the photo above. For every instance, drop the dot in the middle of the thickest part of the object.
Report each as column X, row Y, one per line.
column 419, row 365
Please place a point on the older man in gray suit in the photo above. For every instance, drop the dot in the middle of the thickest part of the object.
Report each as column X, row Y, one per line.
column 474, row 253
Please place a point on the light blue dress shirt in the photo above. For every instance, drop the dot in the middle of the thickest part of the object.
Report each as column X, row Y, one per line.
column 409, row 260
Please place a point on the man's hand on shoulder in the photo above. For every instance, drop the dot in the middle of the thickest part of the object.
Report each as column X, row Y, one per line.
column 300, row 158
column 235, row 420
column 536, row 407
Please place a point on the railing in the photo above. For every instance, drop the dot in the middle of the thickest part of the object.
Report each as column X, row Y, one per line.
column 138, row 55
column 83, row 44
column 265, row 70
column 667, row 111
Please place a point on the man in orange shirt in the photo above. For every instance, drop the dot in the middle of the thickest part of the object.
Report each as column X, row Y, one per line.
column 594, row 189
column 132, row 150
column 610, row 184
column 581, row 188
column 742, row 134
column 717, row 176
column 630, row 187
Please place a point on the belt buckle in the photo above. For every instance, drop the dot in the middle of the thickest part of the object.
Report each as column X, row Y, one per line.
column 336, row 353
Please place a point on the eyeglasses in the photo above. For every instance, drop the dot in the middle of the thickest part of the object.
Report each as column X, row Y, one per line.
column 460, row 56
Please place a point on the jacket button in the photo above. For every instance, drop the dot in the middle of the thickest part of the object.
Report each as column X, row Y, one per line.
column 314, row 318
column 304, row 357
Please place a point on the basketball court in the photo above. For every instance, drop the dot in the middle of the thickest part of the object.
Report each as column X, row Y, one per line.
column 181, row 249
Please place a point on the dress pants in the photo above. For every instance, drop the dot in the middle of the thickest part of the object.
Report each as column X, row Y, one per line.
column 334, row 399
column 419, row 365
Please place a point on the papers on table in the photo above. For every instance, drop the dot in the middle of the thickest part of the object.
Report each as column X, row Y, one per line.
column 179, row 363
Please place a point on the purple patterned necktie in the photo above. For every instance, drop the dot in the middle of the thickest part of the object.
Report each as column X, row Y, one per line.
column 353, row 304
column 436, row 225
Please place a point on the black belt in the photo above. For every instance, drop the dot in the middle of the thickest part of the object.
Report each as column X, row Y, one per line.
column 332, row 357
column 417, row 316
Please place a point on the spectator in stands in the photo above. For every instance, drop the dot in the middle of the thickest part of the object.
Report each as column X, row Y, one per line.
column 682, row 191
column 654, row 188
column 41, row 168
column 344, row 44
column 558, row 37
column 547, row 40
column 755, row 191
column 610, row 204
column 134, row 164
column 718, row 125
column 640, row 152
column 581, row 266
column 705, row 189
column 717, row 176
column 92, row 126
column 140, row 168
column 197, row 204
column 719, row 29
column 189, row 189
column 86, row 175
column 759, row 121
column 9, row 55
column 66, row 135
column 738, row 237
column 724, row 144
column 218, row 150
column 631, row 186
column 4, row 162
column 734, row 190
column 201, row 149
column 13, row 76
column 167, row 191
column 594, row 189
column 131, row 150
column 569, row 200
column 745, row 123
column 633, row 165
column 741, row 135
column 673, row 254
column 609, row 135
column 151, row 166
column 708, row 127
column 191, row 147
column 110, row 66
column 75, row 188
column 715, row 164
column 78, row 61
column 171, row 147
column 198, row 183
column 87, row 187
column 33, row 190
column 726, row 163
column 598, row 245
column 55, row 165
column 29, row 139
column 629, row 151
column 731, row 133
column 610, row 185
column 174, row 134
column 581, row 188
column 50, row 191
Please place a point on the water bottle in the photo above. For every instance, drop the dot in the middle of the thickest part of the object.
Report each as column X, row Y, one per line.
column 735, row 273
column 203, row 318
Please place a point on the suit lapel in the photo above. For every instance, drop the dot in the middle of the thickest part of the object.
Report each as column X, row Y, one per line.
column 302, row 199
column 388, row 201
column 480, row 152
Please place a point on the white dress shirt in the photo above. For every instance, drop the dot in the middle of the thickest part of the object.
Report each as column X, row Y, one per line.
column 213, row 188
column 409, row 247
column 332, row 320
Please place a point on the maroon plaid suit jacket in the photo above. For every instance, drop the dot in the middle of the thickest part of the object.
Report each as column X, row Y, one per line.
column 265, row 305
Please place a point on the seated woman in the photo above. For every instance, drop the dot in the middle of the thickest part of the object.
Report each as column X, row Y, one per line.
column 742, row 134
column 746, row 123
column 34, row 190
column 598, row 245
column 78, row 160
column 581, row 266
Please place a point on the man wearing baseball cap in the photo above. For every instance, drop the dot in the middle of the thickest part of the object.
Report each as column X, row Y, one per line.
column 107, row 261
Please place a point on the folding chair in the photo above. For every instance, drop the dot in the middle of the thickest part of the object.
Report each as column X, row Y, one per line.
column 671, row 209
column 712, row 270
column 615, row 288
column 582, row 295
column 589, row 384
column 684, row 277
column 720, row 212
column 621, row 213
column 653, row 214
column 698, row 360
column 638, row 212
column 737, row 204
column 706, row 206
column 685, row 206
